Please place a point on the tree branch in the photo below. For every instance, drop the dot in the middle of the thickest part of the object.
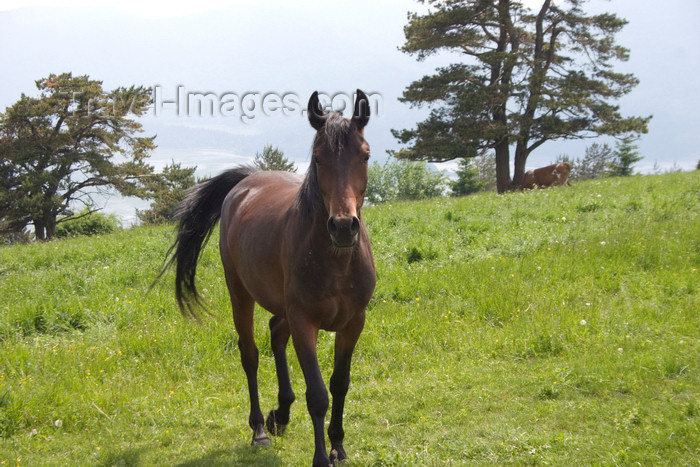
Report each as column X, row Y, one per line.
column 35, row 134
column 74, row 217
column 61, row 119
column 488, row 33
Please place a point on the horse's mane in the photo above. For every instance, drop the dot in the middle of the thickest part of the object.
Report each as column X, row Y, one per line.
column 336, row 131
column 335, row 135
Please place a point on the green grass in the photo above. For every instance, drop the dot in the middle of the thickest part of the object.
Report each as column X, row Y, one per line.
column 557, row 326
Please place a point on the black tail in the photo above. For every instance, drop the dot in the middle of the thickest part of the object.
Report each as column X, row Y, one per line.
column 197, row 215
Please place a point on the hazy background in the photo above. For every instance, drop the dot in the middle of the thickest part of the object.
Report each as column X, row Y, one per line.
column 293, row 48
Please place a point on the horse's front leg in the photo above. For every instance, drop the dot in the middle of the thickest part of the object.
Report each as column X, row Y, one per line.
column 345, row 341
column 278, row 419
column 304, row 338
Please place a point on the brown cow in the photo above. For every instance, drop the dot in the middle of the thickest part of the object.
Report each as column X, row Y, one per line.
column 555, row 174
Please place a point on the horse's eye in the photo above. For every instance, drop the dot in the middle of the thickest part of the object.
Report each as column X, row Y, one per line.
column 366, row 157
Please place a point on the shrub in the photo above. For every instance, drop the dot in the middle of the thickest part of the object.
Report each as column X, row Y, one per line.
column 400, row 180
column 15, row 237
column 86, row 223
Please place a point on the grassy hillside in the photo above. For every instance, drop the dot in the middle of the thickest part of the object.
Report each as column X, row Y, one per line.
column 557, row 326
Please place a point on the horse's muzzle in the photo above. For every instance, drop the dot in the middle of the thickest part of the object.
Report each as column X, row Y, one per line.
column 343, row 230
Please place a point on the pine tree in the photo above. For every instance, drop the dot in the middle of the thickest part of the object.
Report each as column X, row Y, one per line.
column 595, row 163
column 468, row 180
column 527, row 77
column 57, row 147
column 626, row 155
column 273, row 159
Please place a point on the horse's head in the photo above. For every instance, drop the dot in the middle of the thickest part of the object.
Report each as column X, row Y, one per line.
column 340, row 155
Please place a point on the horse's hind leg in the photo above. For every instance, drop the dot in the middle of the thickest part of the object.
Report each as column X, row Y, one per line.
column 243, row 307
column 278, row 419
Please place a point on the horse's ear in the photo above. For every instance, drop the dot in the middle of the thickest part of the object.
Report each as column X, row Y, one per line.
column 316, row 116
column 361, row 114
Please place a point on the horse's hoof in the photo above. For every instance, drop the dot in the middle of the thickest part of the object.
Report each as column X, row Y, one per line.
column 322, row 462
column 261, row 441
column 260, row 438
column 337, row 457
column 274, row 428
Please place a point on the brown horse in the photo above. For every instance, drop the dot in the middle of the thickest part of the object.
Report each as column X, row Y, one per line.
column 299, row 248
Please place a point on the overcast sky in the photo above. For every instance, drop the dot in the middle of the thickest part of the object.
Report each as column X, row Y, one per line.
column 239, row 51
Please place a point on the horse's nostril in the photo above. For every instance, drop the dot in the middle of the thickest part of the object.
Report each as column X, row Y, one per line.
column 332, row 227
column 355, row 226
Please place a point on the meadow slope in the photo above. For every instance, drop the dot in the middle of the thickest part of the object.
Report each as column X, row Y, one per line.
column 557, row 326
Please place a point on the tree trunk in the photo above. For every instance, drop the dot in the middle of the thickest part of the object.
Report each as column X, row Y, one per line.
column 503, row 166
column 519, row 169
column 45, row 229
column 50, row 228
column 39, row 231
